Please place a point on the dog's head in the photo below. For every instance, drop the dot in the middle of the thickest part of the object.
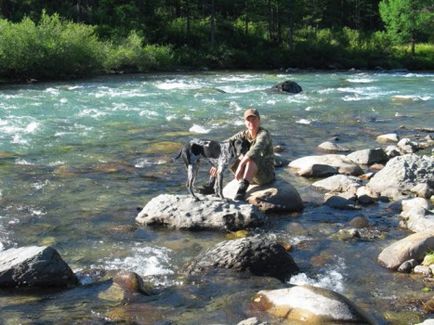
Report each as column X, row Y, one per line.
column 240, row 146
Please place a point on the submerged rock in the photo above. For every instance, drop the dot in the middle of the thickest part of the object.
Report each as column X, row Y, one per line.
column 259, row 255
column 309, row 305
column 279, row 196
column 411, row 247
column 183, row 212
column 401, row 174
column 34, row 266
column 325, row 165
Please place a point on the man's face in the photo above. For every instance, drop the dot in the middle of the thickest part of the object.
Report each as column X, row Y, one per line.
column 252, row 122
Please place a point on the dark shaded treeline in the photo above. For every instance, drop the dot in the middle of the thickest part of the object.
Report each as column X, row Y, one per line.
column 50, row 39
column 155, row 19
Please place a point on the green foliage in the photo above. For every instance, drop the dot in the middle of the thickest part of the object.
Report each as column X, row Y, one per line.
column 407, row 20
column 132, row 56
column 50, row 49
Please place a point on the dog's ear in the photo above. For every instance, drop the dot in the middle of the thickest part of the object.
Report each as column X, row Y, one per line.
column 196, row 149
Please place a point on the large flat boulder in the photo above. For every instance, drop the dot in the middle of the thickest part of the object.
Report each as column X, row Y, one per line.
column 325, row 165
column 34, row 266
column 258, row 255
column 279, row 196
column 309, row 305
column 183, row 212
column 414, row 246
column 401, row 174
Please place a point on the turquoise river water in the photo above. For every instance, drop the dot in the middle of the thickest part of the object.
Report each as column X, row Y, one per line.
column 77, row 158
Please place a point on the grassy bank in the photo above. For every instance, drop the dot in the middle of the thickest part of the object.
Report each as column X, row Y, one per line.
column 54, row 49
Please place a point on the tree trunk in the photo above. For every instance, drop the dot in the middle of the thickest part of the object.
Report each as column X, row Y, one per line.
column 213, row 24
column 290, row 31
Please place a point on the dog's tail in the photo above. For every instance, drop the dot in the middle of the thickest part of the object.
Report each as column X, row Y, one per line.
column 177, row 156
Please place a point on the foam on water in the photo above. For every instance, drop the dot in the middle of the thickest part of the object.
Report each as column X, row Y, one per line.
column 414, row 98
column 178, row 84
column 304, row 121
column 360, row 80
column 239, row 89
column 145, row 261
column 144, row 162
column 330, row 277
column 199, row 129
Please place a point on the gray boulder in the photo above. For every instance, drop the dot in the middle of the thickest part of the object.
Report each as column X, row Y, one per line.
column 332, row 147
column 325, row 165
column 259, row 255
column 401, row 174
column 287, row 86
column 279, row 196
column 368, row 156
column 342, row 201
column 183, row 212
column 411, row 247
column 309, row 305
column 338, row 183
column 34, row 266
column 416, row 215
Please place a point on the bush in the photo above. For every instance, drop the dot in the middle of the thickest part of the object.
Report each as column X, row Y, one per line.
column 50, row 49
column 132, row 56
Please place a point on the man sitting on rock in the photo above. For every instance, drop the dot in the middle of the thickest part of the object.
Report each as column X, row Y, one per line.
column 257, row 165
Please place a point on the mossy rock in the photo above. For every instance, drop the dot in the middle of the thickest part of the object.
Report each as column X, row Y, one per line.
column 164, row 147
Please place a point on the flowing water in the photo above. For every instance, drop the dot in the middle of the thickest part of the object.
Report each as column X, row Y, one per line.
column 77, row 158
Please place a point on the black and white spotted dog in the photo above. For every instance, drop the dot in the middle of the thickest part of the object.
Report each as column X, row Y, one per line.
column 219, row 154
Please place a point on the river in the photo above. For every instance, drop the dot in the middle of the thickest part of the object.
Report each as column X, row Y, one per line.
column 77, row 158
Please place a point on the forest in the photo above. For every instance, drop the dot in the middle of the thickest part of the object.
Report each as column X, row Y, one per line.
column 48, row 39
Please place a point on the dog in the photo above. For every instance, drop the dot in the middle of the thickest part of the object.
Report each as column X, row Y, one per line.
column 219, row 154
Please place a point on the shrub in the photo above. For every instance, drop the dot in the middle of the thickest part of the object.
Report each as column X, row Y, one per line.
column 50, row 49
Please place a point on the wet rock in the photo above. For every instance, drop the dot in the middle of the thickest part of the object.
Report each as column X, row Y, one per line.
column 405, row 145
column 34, row 266
column 280, row 161
column 368, row 156
column 325, row 165
column 131, row 282
column 416, row 215
column 287, row 86
column 407, row 266
column 411, row 247
column 279, row 148
column 339, row 183
column 387, row 138
column 421, row 269
column 332, row 147
column 279, row 196
column 183, row 212
column 428, row 306
column 376, row 167
column 347, row 234
column 392, row 151
column 401, row 174
column 258, row 255
column 365, row 196
column 359, row 222
column 310, row 305
column 342, row 201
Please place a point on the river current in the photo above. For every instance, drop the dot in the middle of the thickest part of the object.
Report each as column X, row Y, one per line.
column 77, row 158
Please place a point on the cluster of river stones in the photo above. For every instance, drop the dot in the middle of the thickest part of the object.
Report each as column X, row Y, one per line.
column 350, row 181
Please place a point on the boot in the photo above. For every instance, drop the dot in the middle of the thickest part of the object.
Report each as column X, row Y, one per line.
column 208, row 188
column 241, row 193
